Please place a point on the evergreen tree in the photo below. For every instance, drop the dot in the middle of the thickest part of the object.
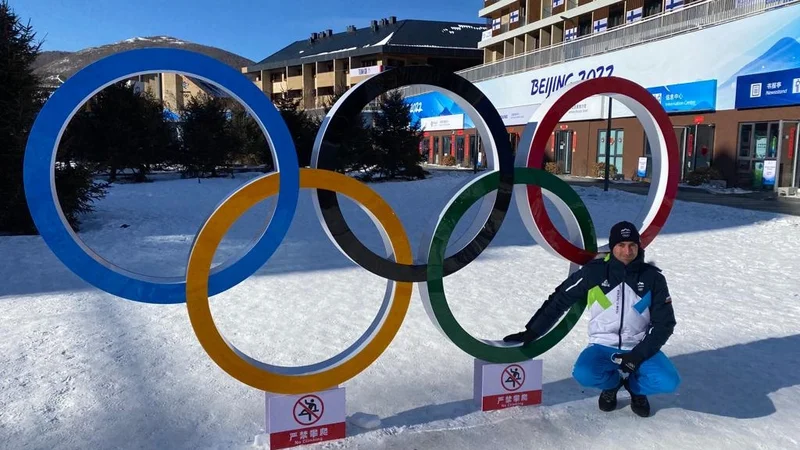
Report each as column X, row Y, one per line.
column 254, row 147
column 355, row 152
column 21, row 98
column 302, row 127
column 209, row 141
column 121, row 129
column 396, row 140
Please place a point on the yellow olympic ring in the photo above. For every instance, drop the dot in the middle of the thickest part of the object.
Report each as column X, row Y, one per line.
column 235, row 362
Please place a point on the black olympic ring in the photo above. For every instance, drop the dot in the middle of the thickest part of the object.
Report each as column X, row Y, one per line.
column 349, row 107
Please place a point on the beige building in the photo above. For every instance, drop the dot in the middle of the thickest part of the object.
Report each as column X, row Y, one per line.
column 174, row 90
column 311, row 70
column 519, row 26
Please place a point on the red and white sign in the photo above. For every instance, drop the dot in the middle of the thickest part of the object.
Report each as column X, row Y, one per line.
column 362, row 71
column 499, row 386
column 440, row 123
column 294, row 420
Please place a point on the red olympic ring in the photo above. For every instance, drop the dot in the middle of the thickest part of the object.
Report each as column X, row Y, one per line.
column 561, row 105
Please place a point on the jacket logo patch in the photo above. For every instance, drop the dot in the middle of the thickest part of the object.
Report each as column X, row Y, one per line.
column 640, row 286
column 605, row 283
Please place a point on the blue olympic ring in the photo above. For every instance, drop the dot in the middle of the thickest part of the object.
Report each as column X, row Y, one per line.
column 40, row 158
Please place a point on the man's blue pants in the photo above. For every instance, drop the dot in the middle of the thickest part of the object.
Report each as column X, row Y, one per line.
column 594, row 368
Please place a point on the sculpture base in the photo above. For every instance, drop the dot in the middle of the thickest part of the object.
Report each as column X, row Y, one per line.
column 499, row 386
column 293, row 420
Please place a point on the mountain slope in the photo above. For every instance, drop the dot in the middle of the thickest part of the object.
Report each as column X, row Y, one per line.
column 48, row 57
column 56, row 67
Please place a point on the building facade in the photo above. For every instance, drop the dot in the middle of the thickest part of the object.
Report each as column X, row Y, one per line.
column 174, row 90
column 311, row 70
column 725, row 72
column 520, row 26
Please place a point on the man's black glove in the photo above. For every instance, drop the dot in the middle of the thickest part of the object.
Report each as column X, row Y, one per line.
column 525, row 337
column 629, row 362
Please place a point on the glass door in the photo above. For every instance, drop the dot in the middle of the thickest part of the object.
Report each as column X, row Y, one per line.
column 786, row 176
column 685, row 141
column 697, row 146
column 615, row 149
column 743, row 158
column 766, row 153
column 703, row 146
column 436, row 150
column 564, row 150
column 447, row 145
column 473, row 152
column 459, row 150
column 758, row 142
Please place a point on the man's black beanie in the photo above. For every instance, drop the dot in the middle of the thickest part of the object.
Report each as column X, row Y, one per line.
column 621, row 232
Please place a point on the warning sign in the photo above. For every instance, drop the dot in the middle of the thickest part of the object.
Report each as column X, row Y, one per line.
column 308, row 410
column 499, row 386
column 294, row 420
column 513, row 377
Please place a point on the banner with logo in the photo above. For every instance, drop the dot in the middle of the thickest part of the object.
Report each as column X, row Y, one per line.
column 720, row 54
column 781, row 88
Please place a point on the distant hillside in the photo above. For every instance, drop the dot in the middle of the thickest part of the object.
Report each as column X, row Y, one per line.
column 46, row 58
column 56, row 66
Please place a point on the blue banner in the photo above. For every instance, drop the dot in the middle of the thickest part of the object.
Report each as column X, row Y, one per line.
column 435, row 104
column 687, row 97
column 781, row 88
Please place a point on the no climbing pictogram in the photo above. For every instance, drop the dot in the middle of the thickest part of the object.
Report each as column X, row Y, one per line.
column 308, row 410
column 513, row 377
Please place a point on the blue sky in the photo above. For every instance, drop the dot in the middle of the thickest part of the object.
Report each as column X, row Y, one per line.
column 251, row 28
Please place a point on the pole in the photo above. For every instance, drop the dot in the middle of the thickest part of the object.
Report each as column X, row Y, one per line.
column 475, row 154
column 608, row 144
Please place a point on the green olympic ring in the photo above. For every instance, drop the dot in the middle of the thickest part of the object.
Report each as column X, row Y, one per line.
column 435, row 284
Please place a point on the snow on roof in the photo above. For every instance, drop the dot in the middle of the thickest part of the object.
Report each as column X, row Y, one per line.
column 436, row 46
column 452, row 29
column 328, row 53
column 385, row 40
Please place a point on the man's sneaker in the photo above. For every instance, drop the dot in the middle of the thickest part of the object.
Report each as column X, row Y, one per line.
column 639, row 403
column 608, row 399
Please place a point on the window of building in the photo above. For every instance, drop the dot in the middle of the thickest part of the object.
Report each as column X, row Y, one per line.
column 369, row 62
column 651, row 7
column 585, row 25
column 616, row 15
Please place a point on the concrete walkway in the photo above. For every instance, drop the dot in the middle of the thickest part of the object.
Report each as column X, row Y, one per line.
column 760, row 201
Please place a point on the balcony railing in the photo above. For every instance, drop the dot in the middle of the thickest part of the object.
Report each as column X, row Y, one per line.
column 660, row 26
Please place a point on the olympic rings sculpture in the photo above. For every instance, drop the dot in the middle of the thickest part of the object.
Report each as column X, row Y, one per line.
column 494, row 189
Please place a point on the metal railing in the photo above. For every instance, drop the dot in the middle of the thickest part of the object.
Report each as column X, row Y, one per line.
column 692, row 17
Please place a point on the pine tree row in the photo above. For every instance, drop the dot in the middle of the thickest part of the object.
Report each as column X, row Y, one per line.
column 122, row 133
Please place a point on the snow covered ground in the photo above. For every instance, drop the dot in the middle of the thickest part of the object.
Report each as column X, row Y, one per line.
column 80, row 368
